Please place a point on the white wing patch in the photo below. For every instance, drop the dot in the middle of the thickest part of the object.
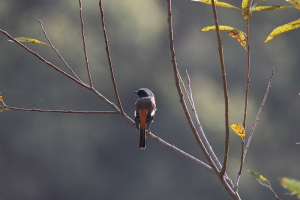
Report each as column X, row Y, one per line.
column 152, row 113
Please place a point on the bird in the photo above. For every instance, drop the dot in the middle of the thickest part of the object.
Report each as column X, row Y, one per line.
column 145, row 108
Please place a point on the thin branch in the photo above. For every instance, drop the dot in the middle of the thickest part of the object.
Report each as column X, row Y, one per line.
column 253, row 127
column 44, row 60
column 248, row 76
column 226, row 97
column 182, row 101
column 109, row 58
column 61, row 111
column 58, row 52
column 67, row 75
column 200, row 125
column 84, row 48
column 172, row 147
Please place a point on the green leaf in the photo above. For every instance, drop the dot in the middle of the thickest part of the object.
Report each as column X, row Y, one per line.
column 291, row 184
column 262, row 180
column 283, row 29
column 246, row 9
column 23, row 39
column 218, row 3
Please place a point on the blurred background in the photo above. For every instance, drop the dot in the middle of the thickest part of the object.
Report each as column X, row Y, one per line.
column 96, row 156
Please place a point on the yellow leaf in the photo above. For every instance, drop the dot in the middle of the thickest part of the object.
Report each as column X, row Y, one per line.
column 239, row 130
column 218, row 3
column 291, row 184
column 240, row 36
column 233, row 32
column 246, row 9
column 270, row 8
column 222, row 28
column 1, row 99
column 283, row 29
column 262, row 180
column 23, row 39
column 296, row 3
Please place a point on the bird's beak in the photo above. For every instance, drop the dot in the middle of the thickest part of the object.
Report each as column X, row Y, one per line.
column 135, row 92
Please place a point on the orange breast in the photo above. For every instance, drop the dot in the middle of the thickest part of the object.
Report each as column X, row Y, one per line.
column 143, row 115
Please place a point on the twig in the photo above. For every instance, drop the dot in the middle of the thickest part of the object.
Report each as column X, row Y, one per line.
column 172, row 147
column 44, row 60
column 67, row 75
column 109, row 58
column 253, row 128
column 200, row 125
column 58, row 52
column 84, row 48
column 201, row 130
column 61, row 111
column 248, row 76
column 226, row 97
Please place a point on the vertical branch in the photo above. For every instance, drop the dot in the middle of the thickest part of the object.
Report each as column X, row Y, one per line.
column 225, row 90
column 225, row 184
column 109, row 58
column 252, row 130
column 182, row 101
column 248, row 76
column 84, row 48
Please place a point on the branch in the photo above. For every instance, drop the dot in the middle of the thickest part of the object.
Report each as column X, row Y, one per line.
column 60, row 111
column 44, row 60
column 109, row 58
column 184, row 154
column 248, row 76
column 200, row 125
column 84, row 48
column 253, row 128
column 226, row 97
column 57, row 52
column 201, row 130
column 182, row 101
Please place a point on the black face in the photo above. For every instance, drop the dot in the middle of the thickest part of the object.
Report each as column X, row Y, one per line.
column 143, row 92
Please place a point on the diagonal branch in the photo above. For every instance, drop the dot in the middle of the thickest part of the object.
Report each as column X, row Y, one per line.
column 253, row 128
column 84, row 48
column 109, row 58
column 211, row 151
column 226, row 97
column 57, row 52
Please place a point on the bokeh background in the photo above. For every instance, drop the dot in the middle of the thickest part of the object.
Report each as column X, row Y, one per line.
column 96, row 156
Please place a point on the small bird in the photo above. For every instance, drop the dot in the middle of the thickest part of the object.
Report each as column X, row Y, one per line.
column 145, row 108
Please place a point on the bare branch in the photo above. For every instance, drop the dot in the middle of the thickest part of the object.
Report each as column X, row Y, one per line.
column 109, row 58
column 172, row 147
column 44, row 60
column 248, row 75
column 61, row 111
column 182, row 101
column 253, row 127
column 84, row 48
column 200, row 127
column 226, row 97
column 58, row 52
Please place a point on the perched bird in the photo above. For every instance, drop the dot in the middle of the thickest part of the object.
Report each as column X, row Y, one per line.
column 145, row 108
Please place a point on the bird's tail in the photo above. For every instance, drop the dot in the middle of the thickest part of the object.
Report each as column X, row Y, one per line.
column 142, row 143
